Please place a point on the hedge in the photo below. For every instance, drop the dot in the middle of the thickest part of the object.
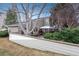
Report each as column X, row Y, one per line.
column 67, row 35
column 4, row 33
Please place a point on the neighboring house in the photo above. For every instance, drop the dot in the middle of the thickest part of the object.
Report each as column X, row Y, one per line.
column 41, row 22
column 14, row 28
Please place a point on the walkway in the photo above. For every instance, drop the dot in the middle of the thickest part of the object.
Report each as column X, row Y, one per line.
column 44, row 45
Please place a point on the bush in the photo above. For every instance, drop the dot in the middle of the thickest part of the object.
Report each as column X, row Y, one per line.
column 67, row 34
column 4, row 33
column 48, row 35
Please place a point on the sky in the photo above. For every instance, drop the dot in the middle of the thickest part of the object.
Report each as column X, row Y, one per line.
column 6, row 6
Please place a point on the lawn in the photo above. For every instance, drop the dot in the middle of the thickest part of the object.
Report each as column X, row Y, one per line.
column 4, row 52
column 9, row 48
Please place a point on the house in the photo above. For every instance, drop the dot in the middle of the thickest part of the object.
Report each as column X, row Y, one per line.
column 14, row 28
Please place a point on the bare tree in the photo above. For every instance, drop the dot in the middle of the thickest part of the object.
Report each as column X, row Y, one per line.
column 64, row 15
column 29, row 13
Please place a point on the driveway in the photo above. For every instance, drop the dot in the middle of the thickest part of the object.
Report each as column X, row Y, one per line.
column 44, row 45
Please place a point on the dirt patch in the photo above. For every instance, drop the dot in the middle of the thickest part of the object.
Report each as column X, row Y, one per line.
column 19, row 50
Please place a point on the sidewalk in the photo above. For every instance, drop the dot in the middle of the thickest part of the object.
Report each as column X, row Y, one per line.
column 45, row 45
